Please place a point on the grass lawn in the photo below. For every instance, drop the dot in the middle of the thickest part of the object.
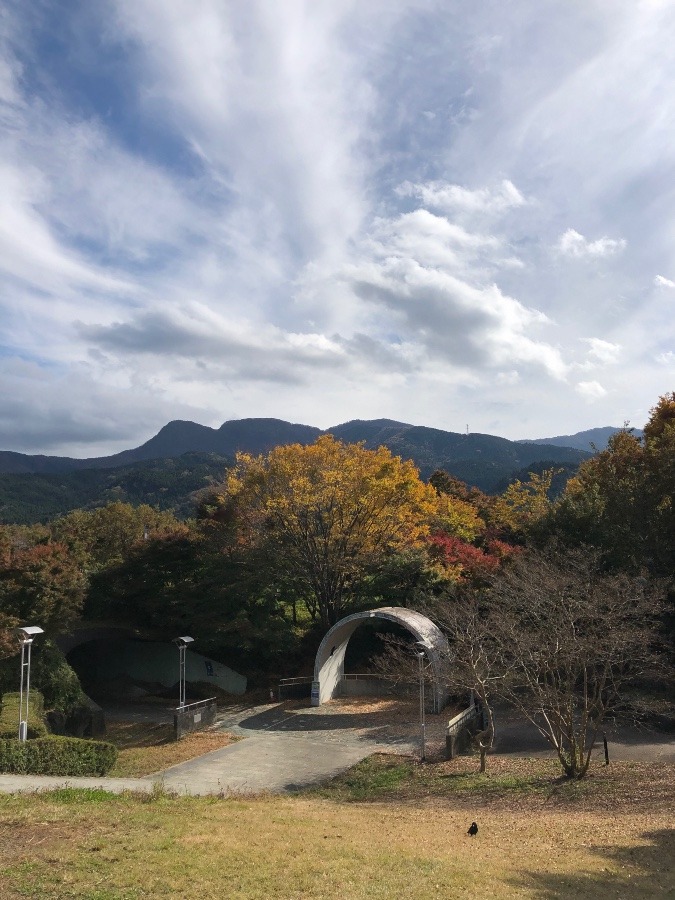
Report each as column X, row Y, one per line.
column 387, row 829
column 145, row 748
column 536, row 783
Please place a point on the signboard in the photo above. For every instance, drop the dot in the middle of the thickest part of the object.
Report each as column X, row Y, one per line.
column 316, row 693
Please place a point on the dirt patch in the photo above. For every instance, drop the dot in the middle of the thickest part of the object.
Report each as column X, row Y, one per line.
column 19, row 839
column 400, row 718
column 146, row 748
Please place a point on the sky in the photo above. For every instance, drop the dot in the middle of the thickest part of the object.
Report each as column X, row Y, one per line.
column 449, row 213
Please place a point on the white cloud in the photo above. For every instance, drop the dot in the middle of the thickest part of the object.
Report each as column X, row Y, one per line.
column 454, row 198
column 29, row 249
column 591, row 390
column 510, row 379
column 431, row 280
column 602, row 352
column 322, row 211
column 572, row 243
column 276, row 103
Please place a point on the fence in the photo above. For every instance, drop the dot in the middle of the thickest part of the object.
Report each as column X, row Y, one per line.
column 374, row 685
column 194, row 717
column 294, row 688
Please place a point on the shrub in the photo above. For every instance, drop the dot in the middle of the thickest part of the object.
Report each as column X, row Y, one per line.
column 9, row 716
column 55, row 755
column 56, row 679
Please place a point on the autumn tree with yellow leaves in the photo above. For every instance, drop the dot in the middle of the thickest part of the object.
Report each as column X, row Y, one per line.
column 325, row 515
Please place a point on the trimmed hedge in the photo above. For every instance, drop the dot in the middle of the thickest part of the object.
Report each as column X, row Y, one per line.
column 9, row 716
column 56, row 755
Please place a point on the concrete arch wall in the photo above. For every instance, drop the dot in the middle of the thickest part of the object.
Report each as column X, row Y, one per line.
column 121, row 651
column 329, row 666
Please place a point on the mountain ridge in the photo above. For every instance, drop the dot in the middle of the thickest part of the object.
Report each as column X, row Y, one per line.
column 429, row 447
column 591, row 440
column 183, row 456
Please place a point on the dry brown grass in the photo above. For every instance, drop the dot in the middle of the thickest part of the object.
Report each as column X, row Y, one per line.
column 612, row 835
column 528, row 784
column 128, row 848
column 146, row 748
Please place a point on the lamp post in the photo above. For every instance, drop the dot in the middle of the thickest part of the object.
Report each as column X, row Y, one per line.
column 182, row 643
column 25, row 635
column 420, row 658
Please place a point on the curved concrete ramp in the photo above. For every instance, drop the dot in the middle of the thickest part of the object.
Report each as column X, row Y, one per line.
column 329, row 667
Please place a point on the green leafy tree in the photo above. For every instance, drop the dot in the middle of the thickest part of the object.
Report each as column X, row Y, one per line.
column 524, row 504
column 104, row 537
column 621, row 500
column 659, row 475
column 195, row 581
column 607, row 504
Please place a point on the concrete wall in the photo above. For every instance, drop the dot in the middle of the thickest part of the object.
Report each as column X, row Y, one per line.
column 329, row 667
column 374, row 687
column 155, row 662
column 461, row 730
column 194, row 717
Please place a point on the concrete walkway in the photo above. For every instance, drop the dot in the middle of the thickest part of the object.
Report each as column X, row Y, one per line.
column 286, row 747
column 21, row 784
column 283, row 749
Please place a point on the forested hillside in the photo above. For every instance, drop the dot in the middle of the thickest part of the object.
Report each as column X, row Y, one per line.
column 165, row 483
column 284, row 544
column 183, row 456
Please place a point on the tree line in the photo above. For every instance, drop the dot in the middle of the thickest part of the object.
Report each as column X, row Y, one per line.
column 291, row 541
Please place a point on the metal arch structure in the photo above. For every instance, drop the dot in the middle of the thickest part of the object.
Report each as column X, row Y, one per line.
column 329, row 667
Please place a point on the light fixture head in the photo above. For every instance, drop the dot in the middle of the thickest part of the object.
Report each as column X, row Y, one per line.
column 28, row 632
column 183, row 641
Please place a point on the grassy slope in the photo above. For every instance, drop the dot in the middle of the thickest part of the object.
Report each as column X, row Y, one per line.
column 413, row 845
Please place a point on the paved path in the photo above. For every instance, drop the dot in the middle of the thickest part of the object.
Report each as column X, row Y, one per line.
column 517, row 738
column 284, row 749
column 287, row 747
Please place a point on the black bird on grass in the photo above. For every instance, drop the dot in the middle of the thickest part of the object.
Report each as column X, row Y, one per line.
column 473, row 829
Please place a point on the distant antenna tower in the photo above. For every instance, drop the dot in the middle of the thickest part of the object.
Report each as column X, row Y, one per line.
column 467, row 430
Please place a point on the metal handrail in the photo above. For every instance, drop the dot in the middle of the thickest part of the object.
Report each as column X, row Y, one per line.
column 349, row 676
column 462, row 718
column 195, row 703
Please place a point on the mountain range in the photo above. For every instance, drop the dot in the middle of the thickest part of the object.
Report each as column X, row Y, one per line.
column 592, row 440
column 184, row 456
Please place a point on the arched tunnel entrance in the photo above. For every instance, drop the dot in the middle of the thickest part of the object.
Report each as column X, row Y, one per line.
column 329, row 666
column 115, row 663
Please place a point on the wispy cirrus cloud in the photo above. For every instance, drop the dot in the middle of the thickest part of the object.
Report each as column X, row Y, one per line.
column 454, row 198
column 572, row 243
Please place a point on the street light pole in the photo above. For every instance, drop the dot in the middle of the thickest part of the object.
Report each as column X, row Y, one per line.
column 420, row 659
column 181, row 643
column 25, row 635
